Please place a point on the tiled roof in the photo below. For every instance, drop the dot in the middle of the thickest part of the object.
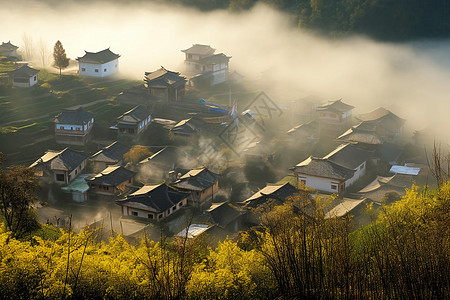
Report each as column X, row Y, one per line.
column 345, row 207
column 197, row 179
column 382, row 116
column 24, row 71
column 199, row 49
column 100, row 57
column 322, row 167
column 223, row 213
column 337, row 106
column 306, row 129
column 158, row 197
column 277, row 192
column 66, row 160
column 215, row 59
column 349, row 156
column 135, row 115
column 167, row 156
column 112, row 175
column 112, row 153
column 360, row 136
column 163, row 78
column 74, row 117
column 7, row 47
column 187, row 126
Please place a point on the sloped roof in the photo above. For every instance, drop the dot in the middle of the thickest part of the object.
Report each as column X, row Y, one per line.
column 163, row 78
column 197, row 179
column 112, row 153
column 7, row 47
column 337, row 106
column 65, row 160
column 215, row 59
column 345, row 207
column 384, row 116
column 322, row 167
column 23, row 71
column 187, row 126
column 112, row 175
column 74, row 117
column 349, row 156
column 199, row 49
column 270, row 191
column 193, row 230
column 135, row 115
column 167, row 156
column 360, row 136
column 223, row 213
column 100, row 57
column 398, row 180
column 306, row 129
column 389, row 152
column 405, row 170
column 158, row 197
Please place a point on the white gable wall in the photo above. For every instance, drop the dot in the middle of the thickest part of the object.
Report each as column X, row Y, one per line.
column 103, row 70
column 359, row 171
column 319, row 183
column 32, row 81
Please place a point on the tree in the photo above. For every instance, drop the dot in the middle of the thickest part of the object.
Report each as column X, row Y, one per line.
column 60, row 57
column 136, row 154
column 28, row 47
column 43, row 53
column 17, row 193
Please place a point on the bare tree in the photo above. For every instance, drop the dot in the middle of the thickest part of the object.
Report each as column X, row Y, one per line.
column 44, row 53
column 27, row 45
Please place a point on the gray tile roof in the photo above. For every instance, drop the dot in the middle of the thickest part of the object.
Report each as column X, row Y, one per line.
column 349, row 156
column 270, row 191
column 23, row 71
column 346, row 206
column 223, row 213
column 135, row 115
column 158, row 197
column 199, row 49
column 111, row 153
column 65, row 160
column 7, row 47
column 322, row 167
column 74, row 117
column 112, row 175
column 215, row 59
column 100, row 57
column 337, row 106
column 355, row 134
column 163, row 78
column 197, row 180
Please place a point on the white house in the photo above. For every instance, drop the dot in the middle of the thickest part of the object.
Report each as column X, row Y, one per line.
column 335, row 113
column 98, row 64
column 334, row 172
column 73, row 127
column 24, row 76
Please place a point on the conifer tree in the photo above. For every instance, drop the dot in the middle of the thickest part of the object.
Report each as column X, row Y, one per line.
column 60, row 57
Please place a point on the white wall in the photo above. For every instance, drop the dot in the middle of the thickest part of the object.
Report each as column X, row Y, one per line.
column 359, row 172
column 32, row 81
column 69, row 127
column 319, row 183
column 219, row 77
column 89, row 69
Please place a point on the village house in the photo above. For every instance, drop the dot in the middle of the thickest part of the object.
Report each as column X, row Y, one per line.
column 187, row 129
column 110, row 155
column 98, row 64
column 165, row 85
column 112, row 180
column 24, row 76
column 134, row 121
column 154, row 202
column 201, row 183
column 378, row 189
column 73, row 127
column 335, row 115
column 383, row 123
column 277, row 193
column 211, row 68
column 62, row 166
column 8, row 50
column 362, row 133
column 162, row 164
column 226, row 216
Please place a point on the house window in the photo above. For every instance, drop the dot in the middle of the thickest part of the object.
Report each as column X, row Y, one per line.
column 60, row 177
column 35, row 78
column 134, row 213
column 106, row 188
column 104, row 70
column 129, row 180
column 83, row 69
column 180, row 204
column 76, row 172
column 116, row 66
column 362, row 166
column 150, row 216
column 96, row 70
column 334, row 187
column 160, row 216
column 174, row 208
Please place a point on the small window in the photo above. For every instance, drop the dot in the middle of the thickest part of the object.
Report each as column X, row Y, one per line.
column 104, row 70
column 59, row 177
column 362, row 166
column 134, row 213
column 150, row 216
column 334, row 187
column 129, row 180
column 174, row 208
column 160, row 216
column 106, row 188
column 76, row 172
column 83, row 69
column 35, row 78
column 96, row 70
column 116, row 66
column 180, row 204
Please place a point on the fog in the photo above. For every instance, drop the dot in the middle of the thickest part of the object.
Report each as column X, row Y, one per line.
column 412, row 76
